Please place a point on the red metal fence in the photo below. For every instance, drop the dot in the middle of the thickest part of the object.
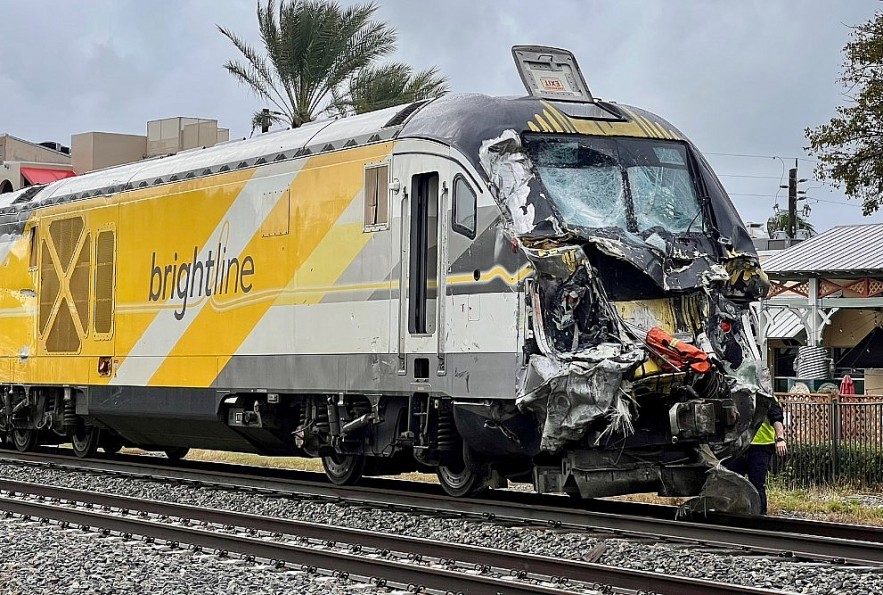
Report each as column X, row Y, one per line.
column 832, row 438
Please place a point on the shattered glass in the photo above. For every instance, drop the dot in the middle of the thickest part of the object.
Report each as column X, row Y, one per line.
column 586, row 183
column 664, row 197
column 632, row 184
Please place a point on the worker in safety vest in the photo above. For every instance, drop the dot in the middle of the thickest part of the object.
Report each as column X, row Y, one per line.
column 755, row 461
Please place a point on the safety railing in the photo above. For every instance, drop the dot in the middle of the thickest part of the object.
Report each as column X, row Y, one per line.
column 831, row 439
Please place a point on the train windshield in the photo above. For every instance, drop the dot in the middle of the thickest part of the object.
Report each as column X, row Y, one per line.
column 633, row 184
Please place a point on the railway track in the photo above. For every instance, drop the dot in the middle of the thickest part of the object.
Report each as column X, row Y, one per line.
column 793, row 538
column 393, row 558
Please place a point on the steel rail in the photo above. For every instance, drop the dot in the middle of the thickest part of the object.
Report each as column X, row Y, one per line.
column 621, row 578
column 800, row 544
column 353, row 564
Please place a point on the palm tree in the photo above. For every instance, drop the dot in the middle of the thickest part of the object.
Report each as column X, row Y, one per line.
column 780, row 221
column 378, row 87
column 312, row 48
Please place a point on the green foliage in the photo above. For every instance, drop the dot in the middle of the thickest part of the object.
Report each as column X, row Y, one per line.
column 814, row 464
column 314, row 49
column 850, row 146
column 781, row 220
column 379, row 87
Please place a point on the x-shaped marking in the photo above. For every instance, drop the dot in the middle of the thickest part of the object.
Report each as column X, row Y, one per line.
column 64, row 282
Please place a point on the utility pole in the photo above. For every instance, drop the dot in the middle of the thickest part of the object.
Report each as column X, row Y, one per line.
column 265, row 122
column 792, row 201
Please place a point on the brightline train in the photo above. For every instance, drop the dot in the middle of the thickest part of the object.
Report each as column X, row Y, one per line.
column 550, row 289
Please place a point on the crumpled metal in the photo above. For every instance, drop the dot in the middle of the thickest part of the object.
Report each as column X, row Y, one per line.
column 723, row 491
column 509, row 169
column 569, row 396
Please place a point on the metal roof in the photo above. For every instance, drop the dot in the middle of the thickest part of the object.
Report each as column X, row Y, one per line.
column 841, row 252
column 783, row 324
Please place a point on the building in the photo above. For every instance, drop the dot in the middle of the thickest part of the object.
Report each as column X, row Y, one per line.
column 23, row 163
column 824, row 314
column 99, row 150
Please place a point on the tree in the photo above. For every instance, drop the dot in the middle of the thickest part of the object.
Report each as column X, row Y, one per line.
column 850, row 146
column 780, row 221
column 316, row 50
column 379, row 87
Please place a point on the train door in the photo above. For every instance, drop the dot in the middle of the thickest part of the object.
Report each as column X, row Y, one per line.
column 424, row 183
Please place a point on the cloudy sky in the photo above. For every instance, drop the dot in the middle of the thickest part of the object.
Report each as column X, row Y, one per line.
column 742, row 79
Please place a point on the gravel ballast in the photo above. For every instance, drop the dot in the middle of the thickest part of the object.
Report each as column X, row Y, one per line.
column 46, row 558
column 756, row 571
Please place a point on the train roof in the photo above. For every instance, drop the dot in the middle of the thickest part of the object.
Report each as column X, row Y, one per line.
column 463, row 121
column 312, row 138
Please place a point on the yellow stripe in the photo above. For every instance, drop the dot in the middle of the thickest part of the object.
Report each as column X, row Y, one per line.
column 545, row 126
column 648, row 127
column 636, row 121
column 158, row 222
column 660, row 130
column 320, row 194
column 564, row 119
column 559, row 118
column 532, row 126
column 497, row 272
column 555, row 123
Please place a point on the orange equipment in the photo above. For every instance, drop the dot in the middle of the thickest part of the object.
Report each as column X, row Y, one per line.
column 677, row 354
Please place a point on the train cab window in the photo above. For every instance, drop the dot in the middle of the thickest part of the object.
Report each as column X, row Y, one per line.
column 463, row 220
column 376, row 197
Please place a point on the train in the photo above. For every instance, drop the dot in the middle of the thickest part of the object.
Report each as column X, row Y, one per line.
column 549, row 288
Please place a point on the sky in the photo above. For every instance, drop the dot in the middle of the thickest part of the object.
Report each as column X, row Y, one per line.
column 741, row 79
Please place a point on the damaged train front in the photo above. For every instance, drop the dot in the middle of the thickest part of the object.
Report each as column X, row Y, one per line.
column 640, row 365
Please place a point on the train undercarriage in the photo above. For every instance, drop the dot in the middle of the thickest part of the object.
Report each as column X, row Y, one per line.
column 469, row 445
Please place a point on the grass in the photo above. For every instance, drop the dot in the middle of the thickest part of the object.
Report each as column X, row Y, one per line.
column 242, row 458
column 837, row 504
column 296, row 463
column 841, row 504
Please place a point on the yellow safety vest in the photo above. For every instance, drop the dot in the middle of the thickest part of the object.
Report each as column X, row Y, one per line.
column 765, row 434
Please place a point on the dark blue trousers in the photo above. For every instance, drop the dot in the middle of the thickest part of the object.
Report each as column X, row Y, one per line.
column 754, row 463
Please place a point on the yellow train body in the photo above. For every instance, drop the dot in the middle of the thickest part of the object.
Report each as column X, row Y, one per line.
column 172, row 269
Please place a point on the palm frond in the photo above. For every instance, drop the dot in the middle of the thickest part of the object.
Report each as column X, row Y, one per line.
column 317, row 53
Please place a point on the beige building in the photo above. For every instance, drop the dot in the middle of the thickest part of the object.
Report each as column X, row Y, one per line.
column 23, row 163
column 98, row 150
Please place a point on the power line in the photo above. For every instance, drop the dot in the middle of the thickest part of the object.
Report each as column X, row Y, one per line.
column 747, row 176
column 813, row 198
column 834, row 202
column 752, row 156
column 751, row 194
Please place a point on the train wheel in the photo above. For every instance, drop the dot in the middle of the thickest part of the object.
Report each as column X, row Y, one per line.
column 85, row 442
column 111, row 444
column 344, row 470
column 458, row 478
column 177, row 453
column 25, row 440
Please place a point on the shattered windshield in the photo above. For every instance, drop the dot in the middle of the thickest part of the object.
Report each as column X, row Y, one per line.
column 633, row 184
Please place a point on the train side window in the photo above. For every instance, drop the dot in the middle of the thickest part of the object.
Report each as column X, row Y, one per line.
column 35, row 243
column 465, row 201
column 376, row 197
column 423, row 250
column 105, row 257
